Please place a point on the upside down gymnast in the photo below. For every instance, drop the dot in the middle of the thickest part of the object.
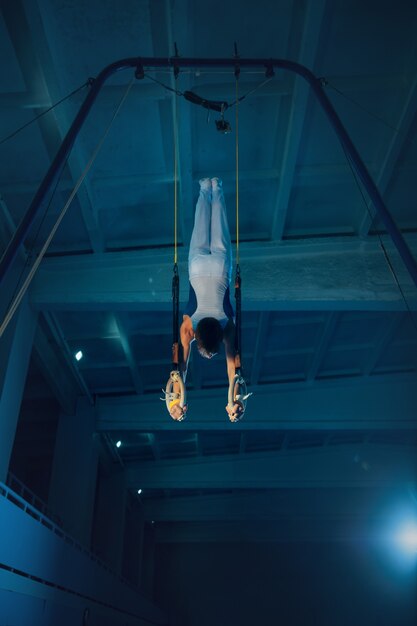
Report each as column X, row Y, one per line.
column 208, row 317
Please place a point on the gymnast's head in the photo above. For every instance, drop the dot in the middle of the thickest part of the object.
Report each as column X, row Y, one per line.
column 208, row 335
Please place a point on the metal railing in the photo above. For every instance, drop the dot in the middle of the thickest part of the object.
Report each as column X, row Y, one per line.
column 29, row 509
column 32, row 505
column 31, row 498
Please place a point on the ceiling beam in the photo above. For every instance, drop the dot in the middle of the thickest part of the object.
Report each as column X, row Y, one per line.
column 25, row 26
column 308, row 50
column 380, row 403
column 60, row 119
column 311, row 175
column 279, row 504
column 340, row 274
column 343, row 466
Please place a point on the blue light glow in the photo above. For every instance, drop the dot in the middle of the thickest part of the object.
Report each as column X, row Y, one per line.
column 79, row 355
column 118, row 444
column 406, row 537
column 399, row 541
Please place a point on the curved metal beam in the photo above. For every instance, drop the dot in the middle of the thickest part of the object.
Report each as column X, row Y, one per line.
column 139, row 64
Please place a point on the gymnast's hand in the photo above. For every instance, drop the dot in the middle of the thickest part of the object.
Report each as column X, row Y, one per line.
column 177, row 413
column 235, row 412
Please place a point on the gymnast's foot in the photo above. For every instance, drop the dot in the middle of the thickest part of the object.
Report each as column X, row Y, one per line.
column 216, row 183
column 205, row 183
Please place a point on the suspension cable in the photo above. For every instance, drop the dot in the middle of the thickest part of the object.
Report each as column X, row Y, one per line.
column 19, row 296
column 380, row 241
column 175, row 132
column 326, row 83
column 18, row 130
column 237, row 169
column 175, row 278
column 238, row 281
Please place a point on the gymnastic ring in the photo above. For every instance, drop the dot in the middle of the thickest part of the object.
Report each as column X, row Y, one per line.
column 238, row 394
column 171, row 396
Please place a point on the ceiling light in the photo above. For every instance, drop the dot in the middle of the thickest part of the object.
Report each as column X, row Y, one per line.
column 118, row 444
column 139, row 491
column 79, row 355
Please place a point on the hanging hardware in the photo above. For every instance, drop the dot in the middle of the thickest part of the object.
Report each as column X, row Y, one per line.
column 140, row 72
column 222, row 125
column 269, row 71
column 212, row 105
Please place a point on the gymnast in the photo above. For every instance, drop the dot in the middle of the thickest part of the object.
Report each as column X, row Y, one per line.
column 208, row 317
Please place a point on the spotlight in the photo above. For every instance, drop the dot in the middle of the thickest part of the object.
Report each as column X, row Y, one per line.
column 407, row 538
column 118, row 444
column 79, row 355
column 139, row 491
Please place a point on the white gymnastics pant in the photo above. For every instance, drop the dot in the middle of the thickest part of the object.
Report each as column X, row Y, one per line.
column 210, row 245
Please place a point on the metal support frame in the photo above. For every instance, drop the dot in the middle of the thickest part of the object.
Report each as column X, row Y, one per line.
column 174, row 62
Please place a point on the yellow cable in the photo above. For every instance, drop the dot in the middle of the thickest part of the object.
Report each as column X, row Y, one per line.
column 175, row 180
column 237, row 170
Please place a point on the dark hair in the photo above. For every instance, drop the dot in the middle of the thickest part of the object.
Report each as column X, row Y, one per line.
column 208, row 335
